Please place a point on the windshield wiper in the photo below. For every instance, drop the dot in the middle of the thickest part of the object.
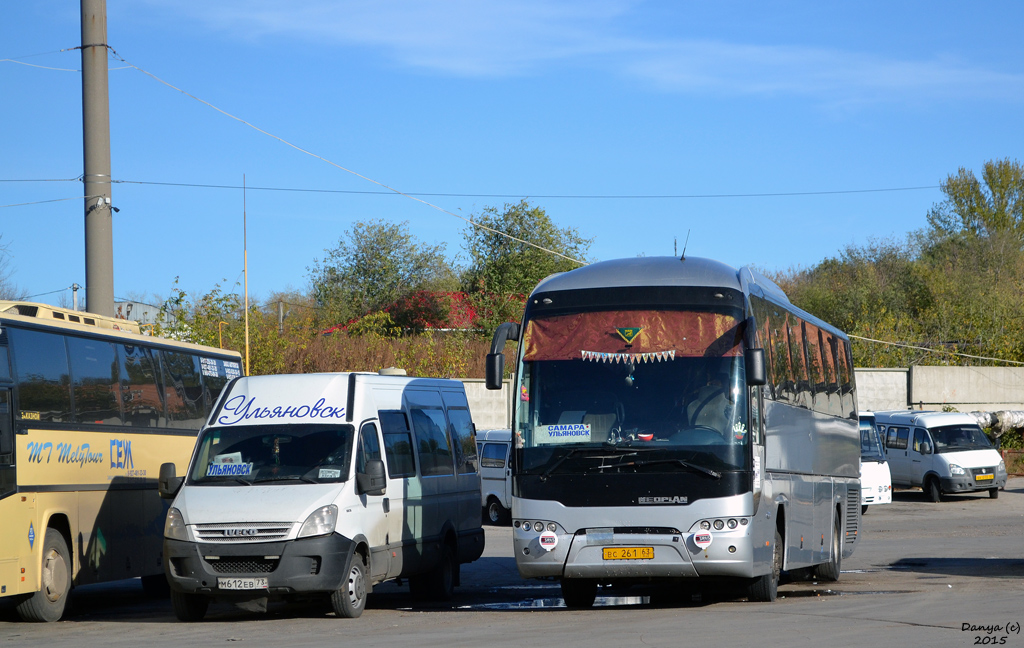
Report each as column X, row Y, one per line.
column 651, row 462
column 303, row 478
column 550, row 469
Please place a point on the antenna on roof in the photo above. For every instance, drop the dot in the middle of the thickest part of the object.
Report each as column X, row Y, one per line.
column 675, row 241
column 683, row 257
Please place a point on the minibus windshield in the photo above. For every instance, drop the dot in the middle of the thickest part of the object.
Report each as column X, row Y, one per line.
column 954, row 438
column 253, row 454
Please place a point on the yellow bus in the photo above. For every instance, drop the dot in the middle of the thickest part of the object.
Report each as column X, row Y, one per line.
column 89, row 409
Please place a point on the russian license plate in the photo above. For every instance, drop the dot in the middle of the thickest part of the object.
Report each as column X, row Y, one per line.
column 242, row 583
column 982, row 477
column 628, row 553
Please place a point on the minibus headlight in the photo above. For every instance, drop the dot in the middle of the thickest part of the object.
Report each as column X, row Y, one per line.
column 956, row 469
column 174, row 526
column 1001, row 467
column 320, row 522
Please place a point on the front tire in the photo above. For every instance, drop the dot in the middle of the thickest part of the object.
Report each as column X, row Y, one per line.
column 579, row 593
column 993, row 493
column 350, row 601
column 830, row 571
column 765, row 588
column 496, row 513
column 189, row 607
column 49, row 602
column 931, row 489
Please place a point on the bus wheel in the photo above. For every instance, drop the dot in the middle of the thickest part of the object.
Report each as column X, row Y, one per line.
column 350, row 601
column 189, row 607
column 993, row 493
column 48, row 603
column 829, row 571
column 766, row 588
column 579, row 592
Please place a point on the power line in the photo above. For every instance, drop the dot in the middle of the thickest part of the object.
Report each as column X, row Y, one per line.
column 778, row 194
column 929, row 350
column 40, row 202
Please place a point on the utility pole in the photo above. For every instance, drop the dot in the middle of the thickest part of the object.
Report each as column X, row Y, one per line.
column 99, row 231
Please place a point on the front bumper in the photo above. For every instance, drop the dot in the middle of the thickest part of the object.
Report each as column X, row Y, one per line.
column 967, row 483
column 309, row 565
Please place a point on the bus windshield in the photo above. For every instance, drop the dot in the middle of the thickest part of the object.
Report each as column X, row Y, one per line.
column 252, row 454
column 870, row 444
column 670, row 384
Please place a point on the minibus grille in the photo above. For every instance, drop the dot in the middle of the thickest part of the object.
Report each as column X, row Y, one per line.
column 243, row 565
column 239, row 532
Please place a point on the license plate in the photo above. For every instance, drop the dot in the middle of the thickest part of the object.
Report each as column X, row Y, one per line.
column 628, row 553
column 981, row 477
column 242, row 583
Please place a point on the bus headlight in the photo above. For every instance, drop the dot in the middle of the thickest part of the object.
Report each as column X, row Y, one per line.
column 956, row 469
column 320, row 522
column 174, row 526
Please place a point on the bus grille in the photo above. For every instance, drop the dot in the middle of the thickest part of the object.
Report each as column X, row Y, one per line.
column 237, row 532
column 852, row 514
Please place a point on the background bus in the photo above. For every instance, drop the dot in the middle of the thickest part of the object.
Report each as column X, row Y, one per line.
column 89, row 409
column 678, row 421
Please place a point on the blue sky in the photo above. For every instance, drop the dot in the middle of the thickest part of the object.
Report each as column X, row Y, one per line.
column 520, row 98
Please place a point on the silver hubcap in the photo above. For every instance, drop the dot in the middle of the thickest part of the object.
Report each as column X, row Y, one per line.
column 356, row 588
column 55, row 576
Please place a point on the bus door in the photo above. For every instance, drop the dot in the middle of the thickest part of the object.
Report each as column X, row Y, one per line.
column 7, row 481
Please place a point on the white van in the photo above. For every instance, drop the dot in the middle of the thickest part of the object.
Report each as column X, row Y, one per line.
column 493, row 446
column 322, row 485
column 942, row 452
column 875, row 480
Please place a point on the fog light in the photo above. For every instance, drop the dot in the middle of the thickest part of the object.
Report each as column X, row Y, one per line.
column 516, row 524
column 552, row 527
column 704, row 524
column 719, row 525
column 538, row 526
column 731, row 524
column 732, row 549
column 743, row 521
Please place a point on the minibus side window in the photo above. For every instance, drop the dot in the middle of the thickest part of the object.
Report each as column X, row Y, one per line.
column 397, row 443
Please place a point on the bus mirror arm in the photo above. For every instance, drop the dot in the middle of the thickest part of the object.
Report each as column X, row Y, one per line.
column 754, row 360
column 495, row 364
column 169, row 482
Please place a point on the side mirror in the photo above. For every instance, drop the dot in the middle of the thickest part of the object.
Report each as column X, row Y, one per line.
column 495, row 369
column 169, row 483
column 926, row 448
column 373, row 481
column 754, row 361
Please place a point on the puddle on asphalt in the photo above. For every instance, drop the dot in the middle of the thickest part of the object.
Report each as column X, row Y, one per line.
column 530, row 604
column 828, row 592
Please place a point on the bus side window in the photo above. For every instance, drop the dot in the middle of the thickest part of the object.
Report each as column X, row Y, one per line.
column 44, row 379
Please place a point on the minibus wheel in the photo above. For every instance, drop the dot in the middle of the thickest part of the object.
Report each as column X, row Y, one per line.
column 349, row 601
column 48, row 603
column 993, row 493
column 496, row 513
column 931, row 488
column 189, row 607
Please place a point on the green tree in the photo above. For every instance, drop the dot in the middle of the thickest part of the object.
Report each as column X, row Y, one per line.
column 503, row 270
column 984, row 208
column 374, row 264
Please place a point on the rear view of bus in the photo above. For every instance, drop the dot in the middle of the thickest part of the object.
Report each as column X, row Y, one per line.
column 639, row 438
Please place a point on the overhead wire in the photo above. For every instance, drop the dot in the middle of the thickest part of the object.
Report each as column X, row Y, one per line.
column 930, row 350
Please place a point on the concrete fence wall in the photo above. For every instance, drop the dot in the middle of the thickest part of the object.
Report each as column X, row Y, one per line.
column 985, row 389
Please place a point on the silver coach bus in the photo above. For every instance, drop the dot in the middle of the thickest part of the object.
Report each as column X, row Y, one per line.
column 678, row 422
